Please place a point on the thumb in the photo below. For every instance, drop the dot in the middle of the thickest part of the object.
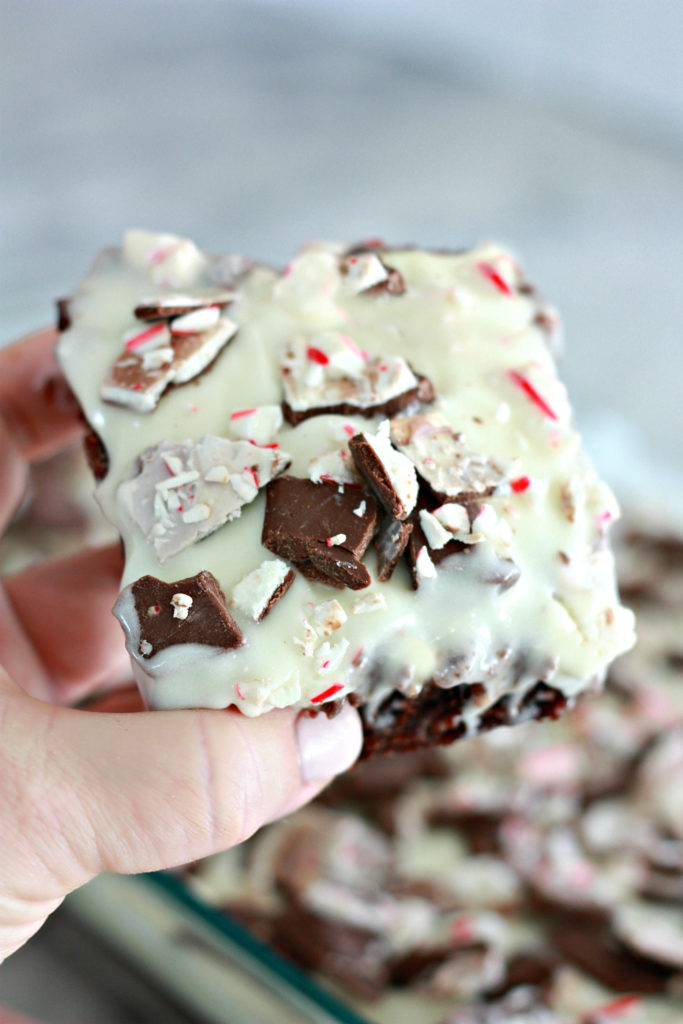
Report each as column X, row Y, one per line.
column 142, row 791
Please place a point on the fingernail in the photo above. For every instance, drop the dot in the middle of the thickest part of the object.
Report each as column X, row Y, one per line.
column 328, row 746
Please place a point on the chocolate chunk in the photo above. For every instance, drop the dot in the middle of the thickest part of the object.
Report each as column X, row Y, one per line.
column 316, row 528
column 416, row 966
column 479, row 829
column 599, row 954
column 353, row 956
column 527, row 968
column 393, row 285
column 164, row 307
column 390, row 475
column 189, row 611
column 96, row 454
column 391, row 541
column 63, row 314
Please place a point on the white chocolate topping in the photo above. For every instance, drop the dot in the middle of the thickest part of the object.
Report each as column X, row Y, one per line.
column 470, row 332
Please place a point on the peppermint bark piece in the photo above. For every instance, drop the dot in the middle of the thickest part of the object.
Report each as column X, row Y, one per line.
column 443, row 458
column 259, row 591
column 389, row 473
column 156, row 615
column 367, row 274
column 156, row 357
column 185, row 490
column 316, row 527
column 164, row 307
column 330, row 373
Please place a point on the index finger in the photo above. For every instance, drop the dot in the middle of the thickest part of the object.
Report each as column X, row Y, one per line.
column 36, row 405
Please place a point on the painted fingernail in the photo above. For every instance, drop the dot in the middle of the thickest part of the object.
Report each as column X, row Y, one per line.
column 328, row 746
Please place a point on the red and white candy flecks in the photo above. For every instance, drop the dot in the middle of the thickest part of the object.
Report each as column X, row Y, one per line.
column 204, row 376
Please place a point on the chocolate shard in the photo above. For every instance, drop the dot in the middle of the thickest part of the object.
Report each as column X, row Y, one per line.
column 188, row 611
column 354, row 956
column 390, row 475
column 96, row 454
column 316, row 527
column 596, row 952
column 391, row 541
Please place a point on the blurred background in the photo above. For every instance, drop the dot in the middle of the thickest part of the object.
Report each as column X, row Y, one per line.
column 555, row 127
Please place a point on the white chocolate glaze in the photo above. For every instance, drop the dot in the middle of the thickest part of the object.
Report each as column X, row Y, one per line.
column 464, row 321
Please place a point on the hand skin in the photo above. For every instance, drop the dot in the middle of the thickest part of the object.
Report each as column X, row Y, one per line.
column 119, row 789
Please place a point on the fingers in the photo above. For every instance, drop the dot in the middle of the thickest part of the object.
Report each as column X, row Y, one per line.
column 36, row 405
column 138, row 792
column 13, row 476
column 58, row 637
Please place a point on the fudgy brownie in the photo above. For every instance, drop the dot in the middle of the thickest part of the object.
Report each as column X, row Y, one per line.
column 367, row 467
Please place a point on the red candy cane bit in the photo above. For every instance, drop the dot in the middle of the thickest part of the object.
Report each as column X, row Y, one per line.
column 254, row 475
column 462, row 930
column 530, row 391
column 614, row 1009
column 329, row 692
column 349, row 429
column 326, row 663
column 521, row 484
column 316, row 355
column 238, row 691
column 357, row 658
column 238, row 413
column 492, row 275
column 143, row 336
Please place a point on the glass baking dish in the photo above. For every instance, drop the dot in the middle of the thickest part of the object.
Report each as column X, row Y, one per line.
column 196, row 953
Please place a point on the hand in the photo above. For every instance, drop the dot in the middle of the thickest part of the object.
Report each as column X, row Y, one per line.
column 85, row 792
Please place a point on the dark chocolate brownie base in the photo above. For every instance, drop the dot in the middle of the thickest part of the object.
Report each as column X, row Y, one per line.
column 434, row 717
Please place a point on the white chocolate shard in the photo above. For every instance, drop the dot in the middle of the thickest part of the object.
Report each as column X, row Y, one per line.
column 195, row 506
column 255, row 592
